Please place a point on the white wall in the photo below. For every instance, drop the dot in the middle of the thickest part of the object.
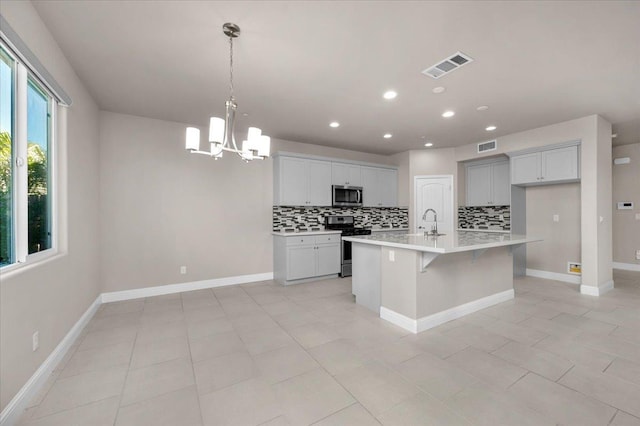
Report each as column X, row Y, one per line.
column 163, row 208
column 626, row 187
column 50, row 297
column 561, row 239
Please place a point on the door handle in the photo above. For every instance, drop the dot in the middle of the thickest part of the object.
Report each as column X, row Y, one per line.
column 358, row 194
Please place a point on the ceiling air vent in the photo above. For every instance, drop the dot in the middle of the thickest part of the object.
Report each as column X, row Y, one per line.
column 487, row 146
column 451, row 63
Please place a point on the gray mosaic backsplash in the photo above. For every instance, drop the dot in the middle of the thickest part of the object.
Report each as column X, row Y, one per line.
column 496, row 218
column 286, row 218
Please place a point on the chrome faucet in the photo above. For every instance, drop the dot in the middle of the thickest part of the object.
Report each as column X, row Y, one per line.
column 434, row 228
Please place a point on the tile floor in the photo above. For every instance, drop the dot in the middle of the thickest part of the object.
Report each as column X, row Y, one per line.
column 262, row 354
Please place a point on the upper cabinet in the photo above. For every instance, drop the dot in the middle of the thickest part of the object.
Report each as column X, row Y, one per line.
column 302, row 182
column 379, row 187
column 346, row 174
column 488, row 184
column 557, row 165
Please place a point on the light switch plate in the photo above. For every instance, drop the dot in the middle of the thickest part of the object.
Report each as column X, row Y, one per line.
column 392, row 256
column 637, row 216
column 556, row 218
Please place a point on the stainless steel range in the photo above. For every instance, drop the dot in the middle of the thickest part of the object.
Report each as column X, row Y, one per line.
column 346, row 224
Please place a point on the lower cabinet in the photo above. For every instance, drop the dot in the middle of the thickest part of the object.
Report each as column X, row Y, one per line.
column 303, row 257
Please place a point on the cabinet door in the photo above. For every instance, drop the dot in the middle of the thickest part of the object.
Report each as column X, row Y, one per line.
column 500, row 184
column 479, row 185
column 370, row 187
column 319, row 178
column 328, row 259
column 345, row 174
column 339, row 174
column 293, row 182
column 301, row 262
column 560, row 164
column 353, row 175
column 388, row 183
column 525, row 168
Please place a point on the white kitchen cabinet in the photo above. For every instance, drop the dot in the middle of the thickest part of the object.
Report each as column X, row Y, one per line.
column 488, row 184
column 302, row 182
column 298, row 258
column 557, row 165
column 345, row 174
column 379, row 187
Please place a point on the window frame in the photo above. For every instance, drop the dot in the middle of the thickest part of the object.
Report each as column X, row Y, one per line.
column 20, row 199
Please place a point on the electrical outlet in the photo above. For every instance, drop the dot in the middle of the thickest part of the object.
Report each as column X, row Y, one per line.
column 556, row 218
column 501, row 217
column 35, row 341
column 637, row 216
column 637, row 254
column 183, row 270
column 392, row 256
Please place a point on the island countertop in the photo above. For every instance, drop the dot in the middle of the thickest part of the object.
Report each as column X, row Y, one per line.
column 451, row 242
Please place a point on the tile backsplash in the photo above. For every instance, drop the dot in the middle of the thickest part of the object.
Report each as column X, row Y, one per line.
column 493, row 218
column 301, row 218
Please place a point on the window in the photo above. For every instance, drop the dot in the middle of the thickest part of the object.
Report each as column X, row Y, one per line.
column 26, row 166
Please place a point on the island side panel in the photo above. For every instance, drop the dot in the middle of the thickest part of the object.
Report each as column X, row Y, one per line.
column 399, row 281
column 455, row 279
column 365, row 278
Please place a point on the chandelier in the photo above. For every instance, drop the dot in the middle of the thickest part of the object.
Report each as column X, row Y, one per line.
column 221, row 132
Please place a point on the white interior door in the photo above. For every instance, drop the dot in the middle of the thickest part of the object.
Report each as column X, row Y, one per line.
column 434, row 192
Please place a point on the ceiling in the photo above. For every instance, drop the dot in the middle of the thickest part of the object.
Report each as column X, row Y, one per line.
column 300, row 65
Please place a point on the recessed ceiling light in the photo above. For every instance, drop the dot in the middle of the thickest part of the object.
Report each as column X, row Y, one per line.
column 387, row 135
column 482, row 108
column 490, row 128
column 244, row 114
column 615, row 135
column 448, row 114
column 438, row 89
column 334, row 124
column 390, row 94
column 428, row 144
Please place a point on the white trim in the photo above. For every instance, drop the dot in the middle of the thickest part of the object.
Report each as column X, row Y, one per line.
column 17, row 405
column 425, row 323
column 596, row 291
column 331, row 159
column 398, row 319
column 567, row 278
column 626, row 266
column 160, row 290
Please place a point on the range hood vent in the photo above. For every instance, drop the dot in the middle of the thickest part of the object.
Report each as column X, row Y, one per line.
column 487, row 146
column 447, row 65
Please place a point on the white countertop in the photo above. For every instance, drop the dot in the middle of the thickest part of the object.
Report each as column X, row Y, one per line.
column 501, row 231
column 297, row 234
column 388, row 229
column 452, row 242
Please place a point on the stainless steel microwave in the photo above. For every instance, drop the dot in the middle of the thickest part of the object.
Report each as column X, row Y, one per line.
column 346, row 196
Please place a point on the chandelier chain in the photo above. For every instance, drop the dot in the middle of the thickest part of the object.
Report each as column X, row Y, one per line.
column 231, row 66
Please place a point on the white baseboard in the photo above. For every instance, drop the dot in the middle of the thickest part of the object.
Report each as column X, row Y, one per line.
column 398, row 319
column 567, row 278
column 116, row 296
column 626, row 266
column 425, row 323
column 596, row 291
column 14, row 409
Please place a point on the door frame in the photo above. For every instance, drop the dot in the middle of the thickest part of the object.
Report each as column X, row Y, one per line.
column 415, row 198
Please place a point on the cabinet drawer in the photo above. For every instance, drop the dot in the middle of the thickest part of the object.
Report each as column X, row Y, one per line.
column 301, row 240
column 329, row 238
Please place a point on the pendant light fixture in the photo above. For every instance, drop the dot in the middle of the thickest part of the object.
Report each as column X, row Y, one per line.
column 221, row 132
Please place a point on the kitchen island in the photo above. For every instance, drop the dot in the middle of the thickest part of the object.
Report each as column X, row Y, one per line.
column 418, row 282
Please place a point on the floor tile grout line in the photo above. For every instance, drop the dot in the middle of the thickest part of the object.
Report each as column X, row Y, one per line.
column 124, row 382
column 195, row 381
